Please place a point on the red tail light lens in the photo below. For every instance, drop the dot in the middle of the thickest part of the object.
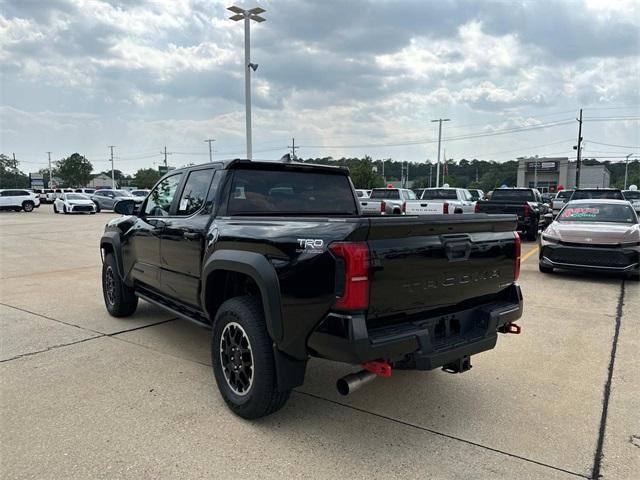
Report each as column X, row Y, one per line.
column 517, row 255
column 356, row 271
column 383, row 206
column 526, row 210
column 445, row 207
column 476, row 209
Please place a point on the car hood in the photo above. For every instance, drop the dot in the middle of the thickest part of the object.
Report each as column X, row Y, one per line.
column 597, row 232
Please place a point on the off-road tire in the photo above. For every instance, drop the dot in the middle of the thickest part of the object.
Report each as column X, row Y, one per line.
column 119, row 299
column 28, row 206
column 532, row 232
column 262, row 397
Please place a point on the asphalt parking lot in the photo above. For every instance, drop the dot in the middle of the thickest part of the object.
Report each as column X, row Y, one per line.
column 85, row 395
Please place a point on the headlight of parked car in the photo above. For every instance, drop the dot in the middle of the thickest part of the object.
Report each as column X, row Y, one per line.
column 549, row 238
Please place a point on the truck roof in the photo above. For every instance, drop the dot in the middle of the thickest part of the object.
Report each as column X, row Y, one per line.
column 269, row 164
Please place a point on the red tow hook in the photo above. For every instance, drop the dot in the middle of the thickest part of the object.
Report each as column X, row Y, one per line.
column 510, row 328
column 381, row 369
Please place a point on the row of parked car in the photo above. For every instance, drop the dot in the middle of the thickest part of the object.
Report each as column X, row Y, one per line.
column 67, row 200
column 534, row 211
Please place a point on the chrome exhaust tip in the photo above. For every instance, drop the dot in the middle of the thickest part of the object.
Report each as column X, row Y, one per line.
column 352, row 382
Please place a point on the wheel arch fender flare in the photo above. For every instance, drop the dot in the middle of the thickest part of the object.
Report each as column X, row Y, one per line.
column 111, row 241
column 263, row 274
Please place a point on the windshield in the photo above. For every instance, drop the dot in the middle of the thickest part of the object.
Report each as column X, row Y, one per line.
column 390, row 193
column 269, row 192
column 439, row 194
column 564, row 194
column 632, row 194
column 597, row 212
column 76, row 196
column 475, row 194
column 604, row 194
column 515, row 195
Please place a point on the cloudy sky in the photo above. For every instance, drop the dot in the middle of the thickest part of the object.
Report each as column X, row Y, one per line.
column 345, row 78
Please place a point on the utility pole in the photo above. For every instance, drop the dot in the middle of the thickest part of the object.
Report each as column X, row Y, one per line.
column 113, row 175
column 247, row 16
column 430, row 170
column 535, row 174
column 50, row 184
column 210, row 151
column 626, row 168
column 293, row 148
column 444, row 164
column 578, row 149
column 439, row 120
column 384, row 178
column 165, row 159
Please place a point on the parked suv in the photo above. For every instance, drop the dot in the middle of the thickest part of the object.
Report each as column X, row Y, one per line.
column 18, row 200
column 276, row 258
column 106, row 199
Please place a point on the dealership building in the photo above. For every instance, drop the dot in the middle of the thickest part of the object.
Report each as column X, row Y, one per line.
column 548, row 172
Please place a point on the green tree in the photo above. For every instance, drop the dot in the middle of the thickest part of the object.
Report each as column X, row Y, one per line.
column 421, row 182
column 10, row 174
column 146, row 178
column 363, row 176
column 74, row 171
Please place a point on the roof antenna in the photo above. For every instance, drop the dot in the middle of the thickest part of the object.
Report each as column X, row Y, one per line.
column 286, row 158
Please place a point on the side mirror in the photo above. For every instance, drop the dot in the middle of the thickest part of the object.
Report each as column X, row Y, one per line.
column 125, row 207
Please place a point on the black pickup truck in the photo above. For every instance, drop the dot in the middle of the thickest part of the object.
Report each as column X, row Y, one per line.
column 526, row 203
column 276, row 258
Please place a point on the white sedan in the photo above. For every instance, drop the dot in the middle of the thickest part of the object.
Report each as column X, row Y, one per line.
column 72, row 203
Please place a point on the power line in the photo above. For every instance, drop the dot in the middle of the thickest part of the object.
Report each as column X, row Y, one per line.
column 613, row 144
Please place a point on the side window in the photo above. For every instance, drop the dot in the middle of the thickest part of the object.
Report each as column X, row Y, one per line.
column 195, row 191
column 160, row 199
column 411, row 195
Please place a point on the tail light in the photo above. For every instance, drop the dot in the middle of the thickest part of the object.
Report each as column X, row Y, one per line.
column 526, row 211
column 518, row 250
column 404, row 207
column 476, row 209
column 445, row 207
column 383, row 206
column 356, row 271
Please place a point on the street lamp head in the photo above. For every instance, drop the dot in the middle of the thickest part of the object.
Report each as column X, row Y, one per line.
column 253, row 66
column 241, row 14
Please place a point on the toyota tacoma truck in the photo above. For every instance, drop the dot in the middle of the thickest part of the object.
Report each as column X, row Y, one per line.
column 441, row 201
column 526, row 203
column 276, row 258
column 386, row 201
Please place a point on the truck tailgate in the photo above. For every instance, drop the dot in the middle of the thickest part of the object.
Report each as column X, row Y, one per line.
column 432, row 262
column 370, row 207
column 424, row 207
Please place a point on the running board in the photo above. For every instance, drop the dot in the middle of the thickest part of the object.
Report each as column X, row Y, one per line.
column 169, row 308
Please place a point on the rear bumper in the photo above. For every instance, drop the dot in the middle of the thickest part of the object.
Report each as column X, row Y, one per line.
column 614, row 260
column 427, row 343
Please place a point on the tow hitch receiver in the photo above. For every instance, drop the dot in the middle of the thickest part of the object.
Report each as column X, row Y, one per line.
column 510, row 328
column 381, row 369
column 461, row 365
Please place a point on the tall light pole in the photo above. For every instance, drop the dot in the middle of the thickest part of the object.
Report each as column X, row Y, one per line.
column 439, row 120
column 247, row 16
column 209, row 140
column 113, row 175
column 49, row 185
column 626, row 168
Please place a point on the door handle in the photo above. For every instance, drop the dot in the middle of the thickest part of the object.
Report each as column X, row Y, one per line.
column 192, row 235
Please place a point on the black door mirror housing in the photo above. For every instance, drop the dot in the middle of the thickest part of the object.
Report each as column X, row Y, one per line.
column 125, row 207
